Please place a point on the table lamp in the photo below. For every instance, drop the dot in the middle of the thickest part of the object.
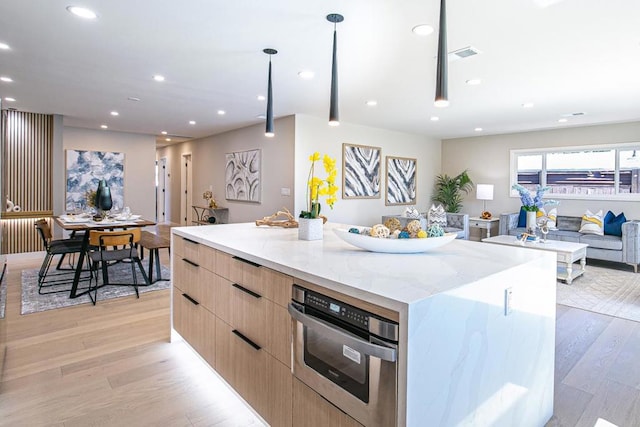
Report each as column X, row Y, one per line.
column 484, row 192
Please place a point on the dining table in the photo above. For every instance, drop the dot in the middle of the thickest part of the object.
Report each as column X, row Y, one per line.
column 85, row 223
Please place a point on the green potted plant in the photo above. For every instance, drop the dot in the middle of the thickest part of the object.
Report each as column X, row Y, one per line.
column 448, row 190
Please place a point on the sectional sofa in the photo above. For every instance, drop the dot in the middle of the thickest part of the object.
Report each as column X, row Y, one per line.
column 625, row 248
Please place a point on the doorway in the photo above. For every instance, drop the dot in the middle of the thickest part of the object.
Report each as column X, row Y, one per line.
column 186, row 183
column 162, row 197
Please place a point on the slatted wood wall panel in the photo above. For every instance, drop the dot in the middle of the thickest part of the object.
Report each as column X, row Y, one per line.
column 28, row 158
column 20, row 235
column 27, row 178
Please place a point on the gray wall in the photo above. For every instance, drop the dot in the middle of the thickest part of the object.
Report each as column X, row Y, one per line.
column 487, row 159
column 208, row 164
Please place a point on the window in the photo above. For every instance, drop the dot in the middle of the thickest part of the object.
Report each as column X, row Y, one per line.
column 598, row 172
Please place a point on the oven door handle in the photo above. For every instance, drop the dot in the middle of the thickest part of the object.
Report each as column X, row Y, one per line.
column 384, row 353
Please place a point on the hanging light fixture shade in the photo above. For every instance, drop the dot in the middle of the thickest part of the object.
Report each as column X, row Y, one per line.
column 334, row 114
column 268, row 132
column 442, row 96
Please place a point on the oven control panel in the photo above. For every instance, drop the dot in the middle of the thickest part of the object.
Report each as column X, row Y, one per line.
column 335, row 308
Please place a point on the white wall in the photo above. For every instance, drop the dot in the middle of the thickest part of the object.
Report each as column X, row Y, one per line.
column 208, row 165
column 139, row 168
column 314, row 134
column 487, row 159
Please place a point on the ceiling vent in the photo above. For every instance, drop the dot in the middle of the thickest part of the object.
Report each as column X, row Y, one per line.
column 465, row 52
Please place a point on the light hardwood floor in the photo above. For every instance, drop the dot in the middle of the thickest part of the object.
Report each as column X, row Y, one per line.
column 113, row 365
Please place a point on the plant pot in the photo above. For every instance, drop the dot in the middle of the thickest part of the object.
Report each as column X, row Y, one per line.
column 310, row 228
column 531, row 221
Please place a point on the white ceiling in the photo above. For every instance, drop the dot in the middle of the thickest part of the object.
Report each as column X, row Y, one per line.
column 565, row 56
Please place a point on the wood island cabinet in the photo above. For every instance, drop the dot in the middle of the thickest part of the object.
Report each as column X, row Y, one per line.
column 233, row 313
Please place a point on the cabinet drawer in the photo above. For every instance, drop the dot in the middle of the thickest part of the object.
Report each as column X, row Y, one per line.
column 243, row 309
column 264, row 382
column 264, row 322
column 311, row 410
column 195, row 281
column 478, row 224
column 195, row 324
column 269, row 283
column 195, row 252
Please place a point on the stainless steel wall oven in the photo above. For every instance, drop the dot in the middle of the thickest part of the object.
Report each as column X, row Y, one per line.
column 347, row 355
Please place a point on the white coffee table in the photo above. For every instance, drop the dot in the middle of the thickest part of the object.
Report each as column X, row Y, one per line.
column 567, row 253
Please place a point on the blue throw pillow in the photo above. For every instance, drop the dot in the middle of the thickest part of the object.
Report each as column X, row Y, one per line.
column 613, row 223
column 522, row 218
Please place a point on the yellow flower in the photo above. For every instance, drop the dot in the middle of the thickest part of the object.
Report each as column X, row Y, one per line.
column 317, row 187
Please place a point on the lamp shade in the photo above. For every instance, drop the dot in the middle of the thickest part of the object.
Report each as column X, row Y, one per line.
column 484, row 192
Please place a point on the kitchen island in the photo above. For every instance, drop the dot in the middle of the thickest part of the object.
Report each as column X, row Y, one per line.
column 476, row 321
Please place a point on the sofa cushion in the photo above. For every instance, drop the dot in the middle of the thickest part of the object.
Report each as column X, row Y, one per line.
column 602, row 242
column 613, row 224
column 551, row 216
column 592, row 223
column 522, row 217
column 568, row 223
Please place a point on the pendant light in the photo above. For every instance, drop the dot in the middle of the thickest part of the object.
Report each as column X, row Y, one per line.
column 442, row 97
column 334, row 114
column 269, row 126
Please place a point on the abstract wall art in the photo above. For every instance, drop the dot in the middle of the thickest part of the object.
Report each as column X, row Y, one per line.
column 401, row 181
column 242, row 176
column 86, row 168
column 361, row 171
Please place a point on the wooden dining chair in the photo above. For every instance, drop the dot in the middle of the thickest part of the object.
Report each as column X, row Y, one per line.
column 110, row 247
column 53, row 248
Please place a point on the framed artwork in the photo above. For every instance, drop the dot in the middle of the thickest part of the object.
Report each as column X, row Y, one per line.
column 401, row 181
column 242, row 176
column 361, row 171
column 85, row 169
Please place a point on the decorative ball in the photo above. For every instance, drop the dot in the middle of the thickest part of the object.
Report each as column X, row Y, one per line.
column 354, row 230
column 379, row 231
column 435, row 230
column 422, row 234
column 413, row 227
column 403, row 235
column 393, row 224
column 366, row 231
column 395, row 234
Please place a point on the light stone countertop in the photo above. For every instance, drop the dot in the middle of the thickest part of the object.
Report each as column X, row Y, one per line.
column 390, row 280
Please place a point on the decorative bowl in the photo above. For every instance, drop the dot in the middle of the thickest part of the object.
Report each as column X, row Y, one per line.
column 393, row 246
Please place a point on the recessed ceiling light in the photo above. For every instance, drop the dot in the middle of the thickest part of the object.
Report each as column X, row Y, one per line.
column 221, row 112
column 372, row 103
column 261, row 116
column 306, row 74
column 563, row 120
column 82, row 12
column 133, row 98
column 435, row 118
column 164, row 132
column 4, row 46
column 527, row 105
column 168, row 139
column 192, row 122
column 473, row 82
column 6, row 79
column 115, row 113
column 261, row 98
column 10, row 99
column 104, row 126
column 158, row 78
column 478, row 129
column 422, row 30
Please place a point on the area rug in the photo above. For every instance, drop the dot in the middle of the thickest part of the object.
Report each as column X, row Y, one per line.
column 606, row 288
column 33, row 302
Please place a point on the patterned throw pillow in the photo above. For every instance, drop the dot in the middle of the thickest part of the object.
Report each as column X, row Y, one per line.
column 592, row 223
column 437, row 216
column 550, row 216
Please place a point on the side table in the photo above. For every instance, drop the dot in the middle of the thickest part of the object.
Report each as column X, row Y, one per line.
column 490, row 225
